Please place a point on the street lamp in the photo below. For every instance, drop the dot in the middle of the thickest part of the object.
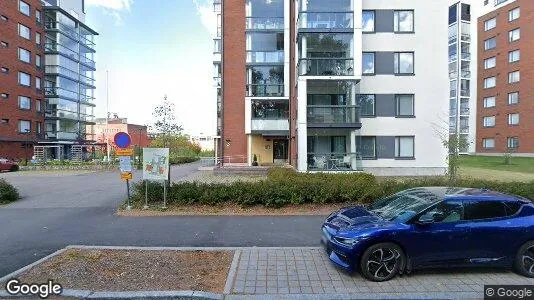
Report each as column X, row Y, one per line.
column 28, row 131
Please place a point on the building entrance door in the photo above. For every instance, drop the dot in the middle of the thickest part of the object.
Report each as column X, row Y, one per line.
column 280, row 151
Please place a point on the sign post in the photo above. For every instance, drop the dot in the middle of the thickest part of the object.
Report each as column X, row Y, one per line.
column 123, row 142
column 156, row 167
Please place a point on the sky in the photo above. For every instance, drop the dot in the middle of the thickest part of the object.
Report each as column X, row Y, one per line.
column 153, row 48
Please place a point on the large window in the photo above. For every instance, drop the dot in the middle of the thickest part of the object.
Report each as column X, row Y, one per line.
column 403, row 21
column 24, row 31
column 368, row 21
column 513, row 98
column 489, row 121
column 490, row 82
column 514, row 56
column 490, row 62
column 404, row 105
column 24, row 79
column 490, row 43
column 368, row 59
column 367, row 105
column 514, row 35
column 490, row 24
column 24, row 55
column 513, row 77
column 25, row 103
column 514, row 14
column 513, row 119
column 24, row 8
column 404, row 147
column 489, row 102
column 404, row 62
column 25, row 126
column 488, row 143
column 366, row 147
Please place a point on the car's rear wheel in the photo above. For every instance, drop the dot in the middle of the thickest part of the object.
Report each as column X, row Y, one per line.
column 381, row 262
column 524, row 261
column 14, row 168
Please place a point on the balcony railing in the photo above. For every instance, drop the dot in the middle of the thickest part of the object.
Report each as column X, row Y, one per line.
column 56, row 69
column 270, row 125
column 265, row 56
column 60, row 92
column 55, row 47
column 334, row 116
column 69, row 31
column 87, row 80
column 87, row 61
column 265, row 23
column 331, row 162
column 326, row 20
column 62, row 114
column 326, row 67
column 265, row 90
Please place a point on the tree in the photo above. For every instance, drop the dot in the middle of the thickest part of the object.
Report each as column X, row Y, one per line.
column 165, row 124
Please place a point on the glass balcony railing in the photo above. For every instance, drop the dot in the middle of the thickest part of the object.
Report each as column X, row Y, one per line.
column 265, row 90
column 88, row 99
column 326, row 67
column 265, row 23
column 270, row 125
column 265, row 56
column 55, row 47
column 88, row 62
column 334, row 162
column 87, row 42
column 60, row 92
column 56, row 69
column 331, row 115
column 87, row 80
column 64, row 135
column 62, row 114
column 326, row 20
column 69, row 31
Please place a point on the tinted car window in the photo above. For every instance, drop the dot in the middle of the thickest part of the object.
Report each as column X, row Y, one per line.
column 512, row 208
column 478, row 210
column 446, row 212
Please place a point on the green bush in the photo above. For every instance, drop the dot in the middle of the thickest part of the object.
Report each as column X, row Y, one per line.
column 286, row 186
column 178, row 160
column 8, row 193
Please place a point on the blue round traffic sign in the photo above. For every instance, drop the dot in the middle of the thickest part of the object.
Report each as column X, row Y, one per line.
column 122, row 140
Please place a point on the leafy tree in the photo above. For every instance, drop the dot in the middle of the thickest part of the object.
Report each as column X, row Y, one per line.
column 165, row 124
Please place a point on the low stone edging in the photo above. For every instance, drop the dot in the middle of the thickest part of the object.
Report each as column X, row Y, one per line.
column 70, row 168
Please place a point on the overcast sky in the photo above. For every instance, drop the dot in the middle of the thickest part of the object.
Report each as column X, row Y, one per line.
column 152, row 48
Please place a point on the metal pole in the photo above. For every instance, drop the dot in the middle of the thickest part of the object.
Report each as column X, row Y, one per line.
column 164, row 194
column 128, row 194
column 146, row 194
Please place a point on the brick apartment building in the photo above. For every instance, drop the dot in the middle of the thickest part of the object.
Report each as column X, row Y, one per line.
column 505, row 77
column 105, row 131
column 21, row 77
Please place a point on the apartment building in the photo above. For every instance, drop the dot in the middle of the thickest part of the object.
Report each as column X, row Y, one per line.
column 21, row 77
column 342, row 85
column 47, row 60
column 105, row 130
column 505, row 74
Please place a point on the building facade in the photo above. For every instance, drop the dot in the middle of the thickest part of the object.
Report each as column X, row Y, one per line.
column 47, row 60
column 22, row 101
column 339, row 85
column 105, row 130
column 505, row 75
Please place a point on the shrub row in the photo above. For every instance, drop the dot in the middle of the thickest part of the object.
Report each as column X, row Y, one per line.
column 8, row 193
column 285, row 186
column 178, row 160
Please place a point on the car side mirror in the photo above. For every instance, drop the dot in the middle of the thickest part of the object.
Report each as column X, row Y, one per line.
column 426, row 219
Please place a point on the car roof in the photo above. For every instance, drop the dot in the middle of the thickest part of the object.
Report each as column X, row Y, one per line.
column 457, row 193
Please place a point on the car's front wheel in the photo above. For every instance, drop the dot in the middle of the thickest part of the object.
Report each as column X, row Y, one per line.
column 524, row 261
column 381, row 262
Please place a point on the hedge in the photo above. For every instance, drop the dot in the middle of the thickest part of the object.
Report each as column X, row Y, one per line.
column 285, row 186
column 8, row 193
column 178, row 160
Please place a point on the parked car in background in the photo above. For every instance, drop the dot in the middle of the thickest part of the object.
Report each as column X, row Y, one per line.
column 8, row 165
column 433, row 227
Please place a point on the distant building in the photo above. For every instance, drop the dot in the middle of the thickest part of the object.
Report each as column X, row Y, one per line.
column 105, row 130
column 206, row 142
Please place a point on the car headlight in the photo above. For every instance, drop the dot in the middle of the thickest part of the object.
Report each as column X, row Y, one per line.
column 347, row 241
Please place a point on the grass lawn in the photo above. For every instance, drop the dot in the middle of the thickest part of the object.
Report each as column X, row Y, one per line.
column 517, row 164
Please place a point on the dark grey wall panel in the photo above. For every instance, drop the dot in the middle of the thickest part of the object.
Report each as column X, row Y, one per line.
column 384, row 21
column 385, row 147
column 384, row 63
column 385, row 105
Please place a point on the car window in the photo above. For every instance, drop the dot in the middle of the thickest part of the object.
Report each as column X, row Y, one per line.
column 479, row 210
column 512, row 207
column 446, row 212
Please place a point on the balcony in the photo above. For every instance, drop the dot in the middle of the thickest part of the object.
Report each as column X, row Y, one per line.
column 326, row 67
column 55, row 92
column 56, row 69
column 51, row 46
column 265, row 23
column 334, row 116
column 269, row 125
column 68, row 31
column 332, row 162
column 326, row 21
column 87, row 81
column 61, row 114
column 87, row 43
column 265, row 90
column 88, row 62
column 265, row 56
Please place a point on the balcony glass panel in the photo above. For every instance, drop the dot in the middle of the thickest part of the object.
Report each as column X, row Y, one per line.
column 60, row 92
column 270, row 109
column 67, row 30
column 326, row 20
column 265, row 56
column 265, row 81
column 265, row 23
column 56, row 47
column 326, row 67
column 54, row 69
column 328, row 6
column 265, row 90
column 333, row 114
column 324, row 54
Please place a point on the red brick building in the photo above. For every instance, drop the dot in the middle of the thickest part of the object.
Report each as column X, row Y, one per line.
column 505, row 76
column 105, row 131
column 21, row 77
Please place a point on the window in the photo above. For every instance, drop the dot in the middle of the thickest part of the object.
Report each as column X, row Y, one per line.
column 38, row 83
column 24, row 31
column 4, row 44
column 24, row 55
column 25, row 126
column 24, row 8
column 38, row 105
column 3, row 18
column 25, row 103
column 488, row 143
column 24, row 79
column 38, row 38
column 513, row 98
column 489, row 102
column 513, row 77
column 514, row 35
column 513, row 14
column 513, row 142
column 38, row 16
column 368, row 59
column 490, row 24
column 489, row 121
column 490, row 43
column 367, row 147
column 445, row 212
column 403, row 21
column 513, row 119
column 4, row 95
column 403, row 63
column 4, row 121
column 38, row 127
column 404, row 147
column 368, row 21
column 490, row 82
column 37, row 60
column 4, row 70
column 490, row 63
column 479, row 210
column 367, row 105
column 514, row 56
column 404, row 105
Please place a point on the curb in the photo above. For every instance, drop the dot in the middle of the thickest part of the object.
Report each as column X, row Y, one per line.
column 160, row 295
column 232, row 273
column 26, row 268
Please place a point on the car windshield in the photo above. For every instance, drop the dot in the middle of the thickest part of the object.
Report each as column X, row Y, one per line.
column 403, row 206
